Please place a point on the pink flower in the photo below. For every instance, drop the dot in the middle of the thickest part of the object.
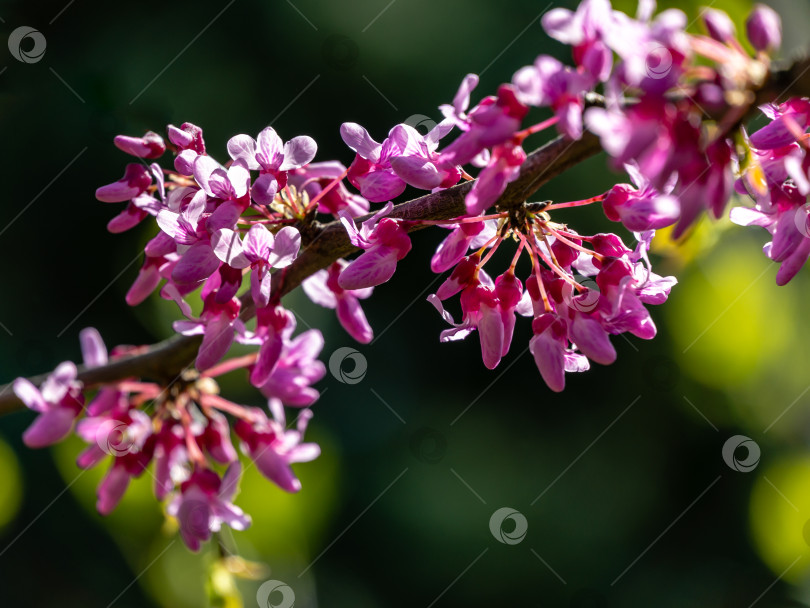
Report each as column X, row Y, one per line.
column 764, row 29
column 464, row 236
column 261, row 251
column 135, row 181
column 273, row 449
column 272, row 158
column 58, row 402
column 323, row 288
column 503, row 167
column 150, row 145
column 204, row 504
column 385, row 243
column 297, row 368
column 371, row 171
column 218, row 323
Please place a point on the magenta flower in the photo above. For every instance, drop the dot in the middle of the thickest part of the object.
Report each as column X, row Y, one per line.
column 385, row 243
column 493, row 121
column 549, row 347
column 323, row 288
column 273, row 449
column 764, row 28
column 297, row 368
column 261, row 251
column 548, row 83
column 273, row 158
column 125, row 434
column 274, row 326
column 503, row 167
column 464, row 236
column 204, row 503
column 58, row 402
column 419, row 165
column 371, row 171
column 135, row 181
column 783, row 212
column 151, row 145
column 218, row 323
column 456, row 113
column 641, row 208
column 584, row 30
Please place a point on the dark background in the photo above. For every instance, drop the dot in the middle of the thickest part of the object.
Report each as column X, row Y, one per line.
column 636, row 506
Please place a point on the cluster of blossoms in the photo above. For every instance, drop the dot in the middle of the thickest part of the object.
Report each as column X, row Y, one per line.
column 670, row 114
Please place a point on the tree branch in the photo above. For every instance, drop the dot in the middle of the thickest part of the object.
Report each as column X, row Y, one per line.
column 166, row 360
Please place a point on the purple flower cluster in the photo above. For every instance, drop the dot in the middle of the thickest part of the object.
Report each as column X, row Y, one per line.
column 187, row 435
column 670, row 114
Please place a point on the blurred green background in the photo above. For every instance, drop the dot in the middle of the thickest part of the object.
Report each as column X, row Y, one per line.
column 621, row 478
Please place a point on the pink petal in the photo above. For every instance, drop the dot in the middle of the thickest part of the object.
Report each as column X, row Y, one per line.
column 277, row 469
column 196, row 265
column 29, row 395
column 49, row 427
column 353, row 319
column 317, row 291
column 228, row 248
column 549, row 357
column 358, row 139
column 243, row 147
column 592, row 340
column 94, row 351
column 111, row 489
column 298, row 152
column 286, row 246
column 374, row 267
column 264, row 189
column 417, row 172
column 216, row 342
column 490, row 330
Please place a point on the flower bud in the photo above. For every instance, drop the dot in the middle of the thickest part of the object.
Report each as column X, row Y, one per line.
column 718, row 25
column 764, row 28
